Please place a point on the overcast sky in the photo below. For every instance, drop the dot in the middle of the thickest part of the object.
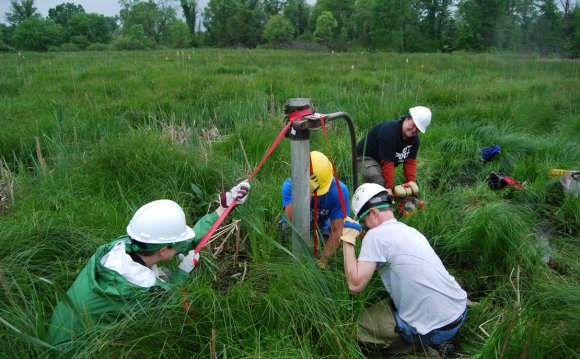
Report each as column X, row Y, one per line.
column 105, row 7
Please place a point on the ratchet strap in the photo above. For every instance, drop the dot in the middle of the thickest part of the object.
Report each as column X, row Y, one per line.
column 292, row 117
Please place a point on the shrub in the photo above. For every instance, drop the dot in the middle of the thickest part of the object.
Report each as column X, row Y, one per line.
column 98, row 47
column 67, row 46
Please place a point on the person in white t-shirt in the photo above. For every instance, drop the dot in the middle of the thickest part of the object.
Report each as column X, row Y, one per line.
column 428, row 306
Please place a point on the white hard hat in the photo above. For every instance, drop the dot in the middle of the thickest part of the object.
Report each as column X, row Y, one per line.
column 421, row 116
column 364, row 193
column 161, row 221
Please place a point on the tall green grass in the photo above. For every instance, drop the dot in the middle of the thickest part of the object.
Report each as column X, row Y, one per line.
column 117, row 130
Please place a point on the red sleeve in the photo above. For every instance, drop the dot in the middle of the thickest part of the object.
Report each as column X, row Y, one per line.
column 410, row 169
column 388, row 169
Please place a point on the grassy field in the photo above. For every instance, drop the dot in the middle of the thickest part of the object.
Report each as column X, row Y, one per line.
column 87, row 138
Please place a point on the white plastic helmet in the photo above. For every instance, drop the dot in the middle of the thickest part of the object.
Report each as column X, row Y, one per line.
column 421, row 116
column 161, row 221
column 363, row 194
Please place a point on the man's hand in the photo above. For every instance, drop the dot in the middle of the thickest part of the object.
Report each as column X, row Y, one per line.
column 314, row 183
column 189, row 262
column 406, row 189
column 351, row 230
column 239, row 192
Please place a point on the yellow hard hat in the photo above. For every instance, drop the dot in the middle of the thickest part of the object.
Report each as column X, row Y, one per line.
column 322, row 167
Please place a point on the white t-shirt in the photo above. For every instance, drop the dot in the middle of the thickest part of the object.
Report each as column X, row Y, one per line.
column 425, row 294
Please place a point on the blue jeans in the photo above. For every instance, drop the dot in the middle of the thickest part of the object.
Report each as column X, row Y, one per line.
column 434, row 337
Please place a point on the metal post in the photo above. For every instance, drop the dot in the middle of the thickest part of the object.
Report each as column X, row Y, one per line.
column 300, row 153
column 299, row 134
column 300, row 159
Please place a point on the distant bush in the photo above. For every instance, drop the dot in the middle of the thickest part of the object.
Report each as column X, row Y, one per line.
column 130, row 43
column 81, row 40
column 69, row 47
column 5, row 48
column 98, row 47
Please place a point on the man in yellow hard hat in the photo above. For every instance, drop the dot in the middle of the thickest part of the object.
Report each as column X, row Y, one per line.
column 330, row 214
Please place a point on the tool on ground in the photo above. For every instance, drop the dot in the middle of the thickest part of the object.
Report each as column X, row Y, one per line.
column 570, row 182
column 409, row 205
column 497, row 180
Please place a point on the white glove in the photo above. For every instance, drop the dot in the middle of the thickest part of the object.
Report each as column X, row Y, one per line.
column 239, row 192
column 350, row 231
column 406, row 189
column 189, row 262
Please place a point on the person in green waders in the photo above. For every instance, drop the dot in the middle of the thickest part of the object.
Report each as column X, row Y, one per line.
column 124, row 272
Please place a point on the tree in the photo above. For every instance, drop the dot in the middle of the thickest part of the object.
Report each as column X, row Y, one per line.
column 21, row 11
column 342, row 11
column 298, row 12
column 395, row 26
column 434, row 22
column 247, row 23
column 61, row 14
column 572, row 34
column 278, row 30
column 155, row 19
column 179, row 35
column 189, row 8
column 217, row 14
column 325, row 25
column 273, row 7
column 37, row 34
column 362, row 20
column 234, row 22
column 96, row 27
column 547, row 32
column 479, row 23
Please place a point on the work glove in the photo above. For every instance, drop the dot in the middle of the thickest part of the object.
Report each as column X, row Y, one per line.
column 314, row 183
column 189, row 262
column 406, row 189
column 350, row 231
column 239, row 192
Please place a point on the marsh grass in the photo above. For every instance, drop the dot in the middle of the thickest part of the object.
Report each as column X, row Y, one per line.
column 117, row 130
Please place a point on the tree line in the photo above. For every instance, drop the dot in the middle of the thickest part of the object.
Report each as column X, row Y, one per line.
column 533, row 26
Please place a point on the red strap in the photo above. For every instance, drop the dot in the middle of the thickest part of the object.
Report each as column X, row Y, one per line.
column 314, row 218
column 340, row 196
column 513, row 183
column 292, row 117
column 299, row 114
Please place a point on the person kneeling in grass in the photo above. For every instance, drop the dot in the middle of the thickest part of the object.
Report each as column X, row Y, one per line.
column 428, row 306
column 124, row 273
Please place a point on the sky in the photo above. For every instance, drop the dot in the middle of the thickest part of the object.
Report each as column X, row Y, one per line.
column 105, row 7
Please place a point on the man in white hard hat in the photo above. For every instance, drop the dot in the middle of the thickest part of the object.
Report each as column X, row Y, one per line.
column 124, row 272
column 391, row 143
column 428, row 306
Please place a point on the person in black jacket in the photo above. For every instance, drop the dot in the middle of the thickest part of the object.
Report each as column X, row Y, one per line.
column 391, row 143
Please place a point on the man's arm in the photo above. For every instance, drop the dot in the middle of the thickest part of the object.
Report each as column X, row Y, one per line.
column 410, row 169
column 333, row 242
column 358, row 274
column 388, row 169
column 288, row 211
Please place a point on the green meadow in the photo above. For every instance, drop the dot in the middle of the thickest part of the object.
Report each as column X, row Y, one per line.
column 87, row 138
